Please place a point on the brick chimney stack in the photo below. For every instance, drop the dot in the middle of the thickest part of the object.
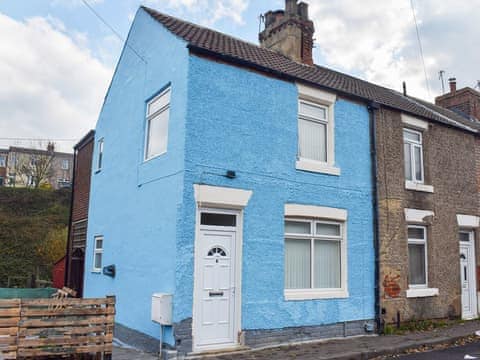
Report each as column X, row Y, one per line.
column 453, row 85
column 290, row 32
column 465, row 101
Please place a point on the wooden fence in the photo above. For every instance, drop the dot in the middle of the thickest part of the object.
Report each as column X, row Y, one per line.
column 56, row 327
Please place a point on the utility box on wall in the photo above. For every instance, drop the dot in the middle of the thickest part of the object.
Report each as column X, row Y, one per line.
column 162, row 308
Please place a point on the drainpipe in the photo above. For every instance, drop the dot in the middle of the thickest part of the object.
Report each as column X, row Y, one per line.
column 373, row 108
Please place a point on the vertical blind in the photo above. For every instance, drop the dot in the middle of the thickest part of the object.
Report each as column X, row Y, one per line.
column 312, row 132
column 297, row 264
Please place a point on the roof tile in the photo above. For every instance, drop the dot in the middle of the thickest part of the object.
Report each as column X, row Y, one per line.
column 247, row 53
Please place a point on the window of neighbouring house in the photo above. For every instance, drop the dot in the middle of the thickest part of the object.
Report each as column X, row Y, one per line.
column 100, row 154
column 1, row 181
column 98, row 254
column 314, row 256
column 158, row 112
column 413, row 154
column 65, row 164
column 417, row 256
column 3, row 161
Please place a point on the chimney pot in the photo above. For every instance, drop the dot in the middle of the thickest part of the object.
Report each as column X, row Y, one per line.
column 453, row 85
column 303, row 11
column 291, row 7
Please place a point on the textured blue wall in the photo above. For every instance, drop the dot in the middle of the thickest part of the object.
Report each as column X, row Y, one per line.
column 132, row 203
column 243, row 121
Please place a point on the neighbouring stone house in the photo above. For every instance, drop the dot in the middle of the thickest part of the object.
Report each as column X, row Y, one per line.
column 427, row 204
column 60, row 168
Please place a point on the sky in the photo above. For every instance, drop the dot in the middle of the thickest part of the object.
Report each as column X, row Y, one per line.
column 57, row 58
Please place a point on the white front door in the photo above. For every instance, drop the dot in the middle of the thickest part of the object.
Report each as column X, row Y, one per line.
column 214, row 324
column 467, row 275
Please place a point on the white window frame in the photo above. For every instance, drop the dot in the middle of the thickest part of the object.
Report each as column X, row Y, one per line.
column 423, row 242
column 65, row 164
column 414, row 144
column 150, row 116
column 100, row 148
column 319, row 98
column 316, row 293
column 3, row 160
column 96, row 251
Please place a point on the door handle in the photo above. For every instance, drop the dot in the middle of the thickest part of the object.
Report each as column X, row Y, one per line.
column 215, row 293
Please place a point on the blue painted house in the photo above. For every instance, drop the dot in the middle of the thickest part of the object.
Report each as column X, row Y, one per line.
column 238, row 179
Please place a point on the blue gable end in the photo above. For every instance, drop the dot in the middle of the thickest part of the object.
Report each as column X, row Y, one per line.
column 133, row 203
column 246, row 122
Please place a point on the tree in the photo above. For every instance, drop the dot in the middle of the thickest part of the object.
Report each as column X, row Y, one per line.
column 54, row 246
column 36, row 169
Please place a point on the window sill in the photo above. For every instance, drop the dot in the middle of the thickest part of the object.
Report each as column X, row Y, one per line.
column 97, row 271
column 410, row 185
column 317, row 167
column 422, row 292
column 153, row 157
column 314, row 294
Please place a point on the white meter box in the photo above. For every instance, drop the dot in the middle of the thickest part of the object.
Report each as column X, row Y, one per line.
column 162, row 308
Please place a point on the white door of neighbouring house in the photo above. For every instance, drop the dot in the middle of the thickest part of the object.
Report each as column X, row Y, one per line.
column 467, row 275
column 215, row 302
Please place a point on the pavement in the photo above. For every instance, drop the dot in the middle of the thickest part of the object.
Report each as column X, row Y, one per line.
column 365, row 347
column 470, row 351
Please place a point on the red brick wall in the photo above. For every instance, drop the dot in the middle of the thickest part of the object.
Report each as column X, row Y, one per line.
column 465, row 100
column 83, row 171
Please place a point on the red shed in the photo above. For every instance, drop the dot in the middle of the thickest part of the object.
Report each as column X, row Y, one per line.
column 58, row 273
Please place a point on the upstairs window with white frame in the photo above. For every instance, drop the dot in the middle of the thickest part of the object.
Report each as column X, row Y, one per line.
column 3, row 161
column 158, row 113
column 417, row 257
column 65, row 164
column 313, row 132
column 413, row 154
column 100, row 144
column 315, row 252
column 98, row 254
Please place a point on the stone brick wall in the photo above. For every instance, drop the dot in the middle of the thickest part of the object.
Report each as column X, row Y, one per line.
column 451, row 168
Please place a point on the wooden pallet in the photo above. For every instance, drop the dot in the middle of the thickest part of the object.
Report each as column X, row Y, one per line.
column 57, row 327
column 9, row 318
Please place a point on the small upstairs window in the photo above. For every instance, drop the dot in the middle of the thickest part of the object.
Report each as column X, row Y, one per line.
column 316, row 131
column 158, row 112
column 3, row 161
column 65, row 164
column 413, row 154
column 100, row 154
column 312, row 132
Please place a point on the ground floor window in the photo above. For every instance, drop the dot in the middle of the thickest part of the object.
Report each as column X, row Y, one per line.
column 98, row 254
column 417, row 256
column 314, row 251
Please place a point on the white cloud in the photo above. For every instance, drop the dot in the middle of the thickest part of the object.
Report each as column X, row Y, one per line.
column 378, row 41
column 206, row 12
column 55, row 86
